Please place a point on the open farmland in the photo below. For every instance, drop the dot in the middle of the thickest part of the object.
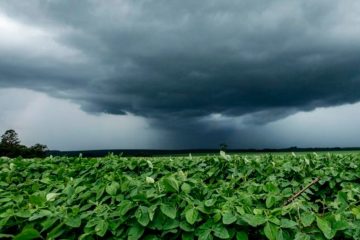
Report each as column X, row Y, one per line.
column 205, row 197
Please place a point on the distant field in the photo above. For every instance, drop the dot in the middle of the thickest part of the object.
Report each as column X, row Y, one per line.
column 199, row 154
column 195, row 152
column 273, row 196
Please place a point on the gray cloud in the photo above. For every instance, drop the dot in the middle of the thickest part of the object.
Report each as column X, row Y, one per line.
column 185, row 60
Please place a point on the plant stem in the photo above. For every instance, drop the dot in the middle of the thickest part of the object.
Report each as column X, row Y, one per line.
column 296, row 195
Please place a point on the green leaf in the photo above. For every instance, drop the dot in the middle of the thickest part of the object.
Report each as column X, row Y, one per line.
column 151, row 211
column 204, row 234
column 142, row 215
column 210, row 202
column 229, row 218
column 168, row 210
column 242, row 235
column 221, row 232
column 340, row 225
column 37, row 199
column 270, row 201
column 325, row 227
column 46, row 224
column 186, row 226
column 254, row 220
column 225, row 156
column 74, row 222
column 171, row 184
column 125, row 206
column 301, row 236
column 286, row 223
column 149, row 180
column 280, row 235
column 56, row 231
column 150, row 164
column 42, row 213
column 27, row 233
column 135, row 232
column 271, row 231
column 307, row 219
column 25, row 213
column 187, row 236
column 186, row 188
column 112, row 188
column 356, row 212
column 191, row 215
column 101, row 228
column 51, row 196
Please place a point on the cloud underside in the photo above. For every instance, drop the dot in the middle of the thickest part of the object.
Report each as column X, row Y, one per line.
column 184, row 59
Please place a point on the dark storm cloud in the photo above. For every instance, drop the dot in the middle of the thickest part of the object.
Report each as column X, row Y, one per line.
column 178, row 60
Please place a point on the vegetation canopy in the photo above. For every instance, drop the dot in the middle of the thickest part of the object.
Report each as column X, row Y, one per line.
column 207, row 197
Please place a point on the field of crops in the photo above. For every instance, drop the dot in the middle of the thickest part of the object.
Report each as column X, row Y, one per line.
column 205, row 197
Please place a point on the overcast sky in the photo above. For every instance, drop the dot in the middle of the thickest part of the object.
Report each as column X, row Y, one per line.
column 181, row 74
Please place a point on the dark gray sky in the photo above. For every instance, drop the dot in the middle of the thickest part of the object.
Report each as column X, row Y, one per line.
column 179, row 74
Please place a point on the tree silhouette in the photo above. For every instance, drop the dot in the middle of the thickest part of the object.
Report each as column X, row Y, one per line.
column 10, row 138
column 10, row 146
column 223, row 146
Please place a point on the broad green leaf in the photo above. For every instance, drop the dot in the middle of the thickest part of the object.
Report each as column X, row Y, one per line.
column 7, row 213
column 221, row 232
column 171, row 184
column 101, row 228
column 48, row 223
column 191, row 215
column 286, row 223
column 204, row 234
column 280, row 235
column 37, row 199
column 168, row 210
column 74, row 222
column 270, row 201
column 340, row 225
column 135, row 232
column 151, row 211
column 56, row 231
column 149, row 180
column 186, row 188
column 42, row 213
column 187, row 236
column 275, row 220
column 25, row 213
column 307, row 219
column 356, row 212
column 186, row 226
column 258, row 211
column 325, row 227
column 51, row 196
column 112, row 188
column 210, row 202
column 254, row 220
column 242, row 235
column 228, row 218
column 301, row 236
column 125, row 206
column 271, row 231
column 150, row 164
column 27, row 233
column 142, row 215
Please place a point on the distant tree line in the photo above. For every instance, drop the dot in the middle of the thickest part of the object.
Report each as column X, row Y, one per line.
column 10, row 147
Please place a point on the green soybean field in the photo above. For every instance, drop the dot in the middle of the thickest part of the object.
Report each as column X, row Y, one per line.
column 275, row 197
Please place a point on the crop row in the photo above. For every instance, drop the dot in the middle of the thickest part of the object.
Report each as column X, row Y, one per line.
column 208, row 197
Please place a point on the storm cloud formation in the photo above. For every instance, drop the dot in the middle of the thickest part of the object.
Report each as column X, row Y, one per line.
column 185, row 59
